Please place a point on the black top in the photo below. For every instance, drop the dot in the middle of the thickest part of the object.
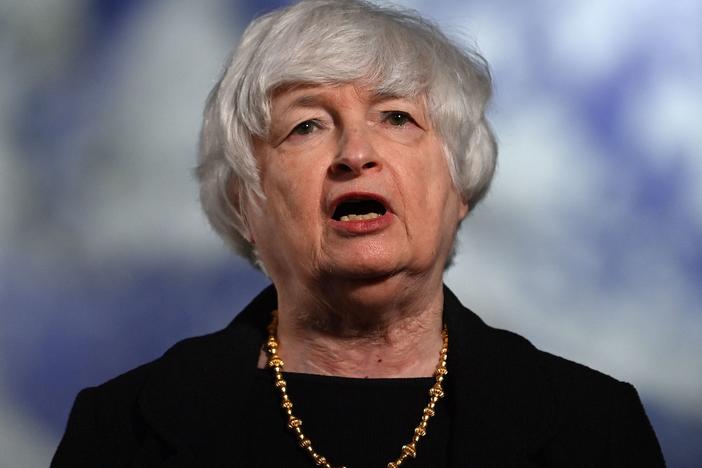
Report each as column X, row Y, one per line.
column 356, row 423
column 510, row 405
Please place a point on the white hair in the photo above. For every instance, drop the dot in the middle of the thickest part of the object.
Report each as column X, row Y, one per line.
column 391, row 50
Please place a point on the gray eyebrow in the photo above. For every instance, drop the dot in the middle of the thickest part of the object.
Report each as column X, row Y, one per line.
column 313, row 100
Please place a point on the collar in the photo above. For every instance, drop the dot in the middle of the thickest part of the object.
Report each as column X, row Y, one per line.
column 500, row 399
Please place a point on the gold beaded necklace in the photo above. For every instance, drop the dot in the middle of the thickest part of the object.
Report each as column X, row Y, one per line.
column 295, row 424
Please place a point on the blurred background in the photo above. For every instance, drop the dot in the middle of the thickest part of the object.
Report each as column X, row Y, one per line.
column 590, row 243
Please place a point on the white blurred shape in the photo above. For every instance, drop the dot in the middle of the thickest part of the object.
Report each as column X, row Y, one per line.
column 664, row 118
column 589, row 38
column 143, row 196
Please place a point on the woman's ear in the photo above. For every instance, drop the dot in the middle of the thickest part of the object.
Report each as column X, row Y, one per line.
column 248, row 232
column 463, row 209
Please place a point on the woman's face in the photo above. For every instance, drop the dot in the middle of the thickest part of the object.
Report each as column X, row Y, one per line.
column 356, row 187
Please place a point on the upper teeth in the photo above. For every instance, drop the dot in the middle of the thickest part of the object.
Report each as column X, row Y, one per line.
column 354, row 217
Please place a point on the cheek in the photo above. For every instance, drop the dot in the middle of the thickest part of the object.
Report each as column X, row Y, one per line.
column 433, row 202
column 292, row 206
column 431, row 183
column 284, row 229
column 293, row 185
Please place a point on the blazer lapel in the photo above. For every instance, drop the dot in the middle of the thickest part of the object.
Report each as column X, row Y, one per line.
column 196, row 399
column 502, row 406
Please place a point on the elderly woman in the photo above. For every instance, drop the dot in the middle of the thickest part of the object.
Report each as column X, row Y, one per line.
column 340, row 151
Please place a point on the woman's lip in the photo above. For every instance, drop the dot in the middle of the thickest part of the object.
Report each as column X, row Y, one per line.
column 362, row 226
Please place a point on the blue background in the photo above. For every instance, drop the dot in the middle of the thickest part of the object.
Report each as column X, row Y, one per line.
column 589, row 243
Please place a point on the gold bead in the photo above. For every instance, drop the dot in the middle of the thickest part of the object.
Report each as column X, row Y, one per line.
column 275, row 361
column 287, row 404
column 392, row 465
column 429, row 411
column 304, row 443
column 294, row 423
column 436, row 391
column 420, row 431
column 409, row 450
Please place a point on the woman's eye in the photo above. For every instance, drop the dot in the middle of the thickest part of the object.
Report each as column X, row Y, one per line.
column 305, row 128
column 397, row 118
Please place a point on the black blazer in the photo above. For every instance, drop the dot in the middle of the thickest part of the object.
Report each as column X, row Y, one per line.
column 512, row 405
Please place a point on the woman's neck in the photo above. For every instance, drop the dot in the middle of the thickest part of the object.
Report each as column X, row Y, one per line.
column 372, row 331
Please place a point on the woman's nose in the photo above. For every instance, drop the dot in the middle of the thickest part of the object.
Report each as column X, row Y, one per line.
column 355, row 155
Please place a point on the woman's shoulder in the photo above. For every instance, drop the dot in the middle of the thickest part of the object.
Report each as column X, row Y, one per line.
column 565, row 375
column 574, row 388
column 572, row 383
column 509, row 350
column 180, row 396
column 563, row 412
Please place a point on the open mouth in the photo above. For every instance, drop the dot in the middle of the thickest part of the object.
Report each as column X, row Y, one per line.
column 358, row 209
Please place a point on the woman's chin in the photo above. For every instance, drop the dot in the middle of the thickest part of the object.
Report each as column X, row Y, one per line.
column 365, row 279
column 364, row 291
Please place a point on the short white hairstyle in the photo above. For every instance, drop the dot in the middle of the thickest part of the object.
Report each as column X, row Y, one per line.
column 329, row 42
